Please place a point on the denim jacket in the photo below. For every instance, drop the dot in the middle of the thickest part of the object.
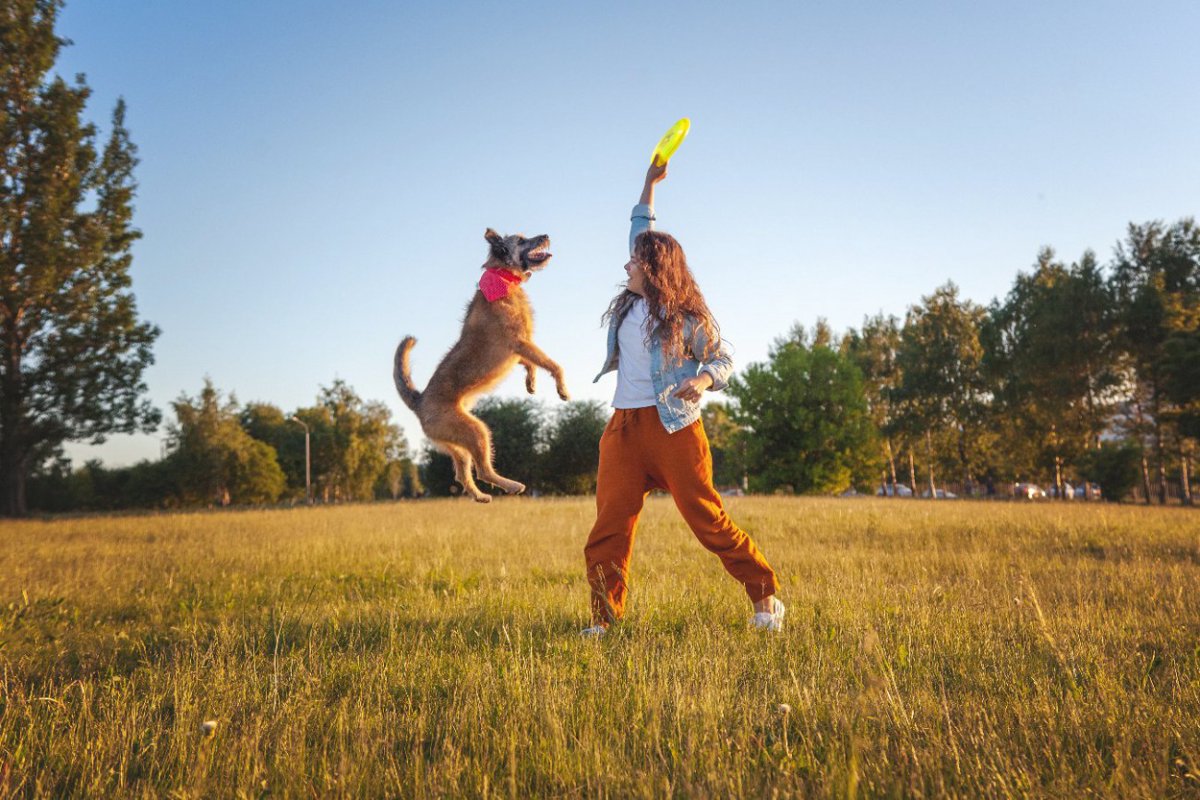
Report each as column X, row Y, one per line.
column 676, row 414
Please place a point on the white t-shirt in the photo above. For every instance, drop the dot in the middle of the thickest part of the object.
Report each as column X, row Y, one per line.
column 635, row 389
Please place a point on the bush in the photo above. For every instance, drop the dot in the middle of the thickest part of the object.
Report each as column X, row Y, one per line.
column 1114, row 467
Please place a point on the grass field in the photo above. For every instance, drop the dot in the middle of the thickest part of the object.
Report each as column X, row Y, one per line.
column 430, row 649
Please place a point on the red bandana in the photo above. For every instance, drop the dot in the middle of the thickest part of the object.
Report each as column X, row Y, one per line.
column 497, row 283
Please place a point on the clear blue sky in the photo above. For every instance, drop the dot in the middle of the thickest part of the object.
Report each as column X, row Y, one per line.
column 316, row 177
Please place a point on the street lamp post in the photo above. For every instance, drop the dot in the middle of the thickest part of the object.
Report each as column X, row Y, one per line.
column 307, row 460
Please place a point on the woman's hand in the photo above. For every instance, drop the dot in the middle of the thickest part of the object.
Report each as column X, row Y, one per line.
column 692, row 388
column 653, row 175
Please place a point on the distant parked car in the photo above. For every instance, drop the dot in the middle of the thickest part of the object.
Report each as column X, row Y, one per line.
column 1029, row 491
column 899, row 490
column 1081, row 491
column 941, row 493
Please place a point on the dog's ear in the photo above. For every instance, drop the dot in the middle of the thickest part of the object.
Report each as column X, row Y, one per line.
column 499, row 247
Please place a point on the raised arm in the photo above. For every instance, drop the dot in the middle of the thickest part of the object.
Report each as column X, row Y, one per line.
column 642, row 218
column 653, row 176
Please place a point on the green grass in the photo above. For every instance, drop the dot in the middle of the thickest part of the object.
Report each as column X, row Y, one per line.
column 430, row 649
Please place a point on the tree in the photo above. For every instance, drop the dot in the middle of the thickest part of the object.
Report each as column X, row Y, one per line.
column 216, row 462
column 1114, row 466
column 352, row 443
column 1050, row 352
column 806, row 412
column 942, row 391
column 1156, row 279
column 72, row 351
column 268, row 423
column 572, row 447
column 874, row 350
column 1180, row 367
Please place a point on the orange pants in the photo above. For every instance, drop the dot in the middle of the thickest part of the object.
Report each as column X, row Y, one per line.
column 638, row 455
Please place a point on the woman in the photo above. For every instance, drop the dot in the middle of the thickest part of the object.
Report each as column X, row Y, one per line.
column 666, row 348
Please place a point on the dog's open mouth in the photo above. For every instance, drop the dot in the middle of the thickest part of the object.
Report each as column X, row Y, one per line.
column 538, row 258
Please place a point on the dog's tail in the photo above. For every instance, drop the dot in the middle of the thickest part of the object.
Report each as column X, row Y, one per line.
column 404, row 384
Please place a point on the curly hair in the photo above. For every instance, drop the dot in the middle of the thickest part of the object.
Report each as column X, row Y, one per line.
column 671, row 296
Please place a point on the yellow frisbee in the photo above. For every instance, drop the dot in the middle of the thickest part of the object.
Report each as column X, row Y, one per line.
column 670, row 142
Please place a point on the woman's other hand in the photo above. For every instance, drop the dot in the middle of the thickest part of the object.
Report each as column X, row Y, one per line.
column 693, row 388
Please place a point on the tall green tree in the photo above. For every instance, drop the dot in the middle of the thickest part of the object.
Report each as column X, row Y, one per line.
column 1156, row 279
column 942, row 390
column 1180, row 365
column 269, row 423
column 214, row 461
column 352, row 442
column 873, row 349
column 72, row 351
column 1052, row 361
column 806, row 411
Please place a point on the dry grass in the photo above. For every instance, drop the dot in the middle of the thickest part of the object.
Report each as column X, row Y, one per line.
column 429, row 649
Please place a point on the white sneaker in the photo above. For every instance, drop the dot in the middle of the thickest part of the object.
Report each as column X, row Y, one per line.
column 594, row 632
column 770, row 620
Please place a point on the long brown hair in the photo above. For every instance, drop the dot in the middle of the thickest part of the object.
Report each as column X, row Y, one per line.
column 671, row 295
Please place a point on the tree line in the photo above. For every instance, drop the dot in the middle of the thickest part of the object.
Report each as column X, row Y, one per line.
column 222, row 453
column 1082, row 374
column 219, row 453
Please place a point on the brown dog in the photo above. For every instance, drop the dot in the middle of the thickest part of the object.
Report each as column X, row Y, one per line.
column 497, row 334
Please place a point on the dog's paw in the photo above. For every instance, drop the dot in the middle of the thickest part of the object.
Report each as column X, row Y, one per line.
column 563, row 393
column 483, row 498
column 514, row 487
